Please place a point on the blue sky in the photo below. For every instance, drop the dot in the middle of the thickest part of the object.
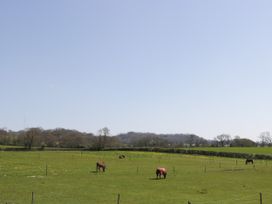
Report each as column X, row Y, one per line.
column 192, row 66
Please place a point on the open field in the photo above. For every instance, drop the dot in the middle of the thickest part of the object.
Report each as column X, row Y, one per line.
column 9, row 146
column 71, row 179
column 250, row 150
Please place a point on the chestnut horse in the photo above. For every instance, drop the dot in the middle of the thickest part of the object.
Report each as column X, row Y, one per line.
column 100, row 166
column 161, row 172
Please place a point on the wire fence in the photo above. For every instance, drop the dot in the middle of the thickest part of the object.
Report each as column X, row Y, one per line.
column 252, row 199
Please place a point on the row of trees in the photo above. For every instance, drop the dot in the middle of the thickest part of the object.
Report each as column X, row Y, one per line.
column 64, row 138
column 60, row 137
column 265, row 139
column 134, row 139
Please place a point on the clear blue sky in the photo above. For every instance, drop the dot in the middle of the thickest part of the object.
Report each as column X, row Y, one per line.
column 175, row 66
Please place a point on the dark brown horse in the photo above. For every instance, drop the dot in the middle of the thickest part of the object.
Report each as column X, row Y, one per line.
column 122, row 156
column 161, row 172
column 100, row 166
column 249, row 161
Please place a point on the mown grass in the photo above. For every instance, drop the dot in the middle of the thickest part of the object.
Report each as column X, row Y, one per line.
column 250, row 150
column 9, row 146
column 71, row 178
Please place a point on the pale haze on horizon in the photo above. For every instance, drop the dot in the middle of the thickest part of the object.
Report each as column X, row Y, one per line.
column 201, row 67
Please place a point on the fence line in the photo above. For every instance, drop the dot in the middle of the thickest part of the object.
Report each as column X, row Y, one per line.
column 247, row 200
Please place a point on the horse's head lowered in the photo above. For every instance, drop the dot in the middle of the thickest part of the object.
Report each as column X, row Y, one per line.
column 161, row 171
column 100, row 166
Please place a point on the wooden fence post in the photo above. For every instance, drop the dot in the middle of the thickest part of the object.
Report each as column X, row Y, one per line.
column 46, row 170
column 118, row 198
column 32, row 198
column 261, row 198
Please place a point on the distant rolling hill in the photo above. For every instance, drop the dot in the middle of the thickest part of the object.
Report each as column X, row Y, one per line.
column 147, row 139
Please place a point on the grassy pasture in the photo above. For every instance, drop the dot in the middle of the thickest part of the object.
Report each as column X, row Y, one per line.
column 249, row 150
column 9, row 146
column 71, row 179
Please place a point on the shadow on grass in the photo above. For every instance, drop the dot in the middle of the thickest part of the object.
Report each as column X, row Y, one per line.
column 156, row 179
column 97, row 172
column 233, row 169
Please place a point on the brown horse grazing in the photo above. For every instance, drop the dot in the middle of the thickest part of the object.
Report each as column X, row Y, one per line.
column 100, row 166
column 249, row 161
column 122, row 156
column 161, row 171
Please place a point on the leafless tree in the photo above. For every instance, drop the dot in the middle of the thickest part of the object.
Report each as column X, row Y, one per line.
column 265, row 138
column 103, row 133
column 32, row 135
column 223, row 139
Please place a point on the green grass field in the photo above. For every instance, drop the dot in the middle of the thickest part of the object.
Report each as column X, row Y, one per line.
column 71, row 179
column 250, row 150
column 9, row 146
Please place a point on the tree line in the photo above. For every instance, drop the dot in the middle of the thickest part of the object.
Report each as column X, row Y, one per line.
column 59, row 138
column 66, row 138
column 265, row 139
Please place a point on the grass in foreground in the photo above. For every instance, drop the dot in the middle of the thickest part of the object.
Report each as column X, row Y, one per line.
column 71, row 179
